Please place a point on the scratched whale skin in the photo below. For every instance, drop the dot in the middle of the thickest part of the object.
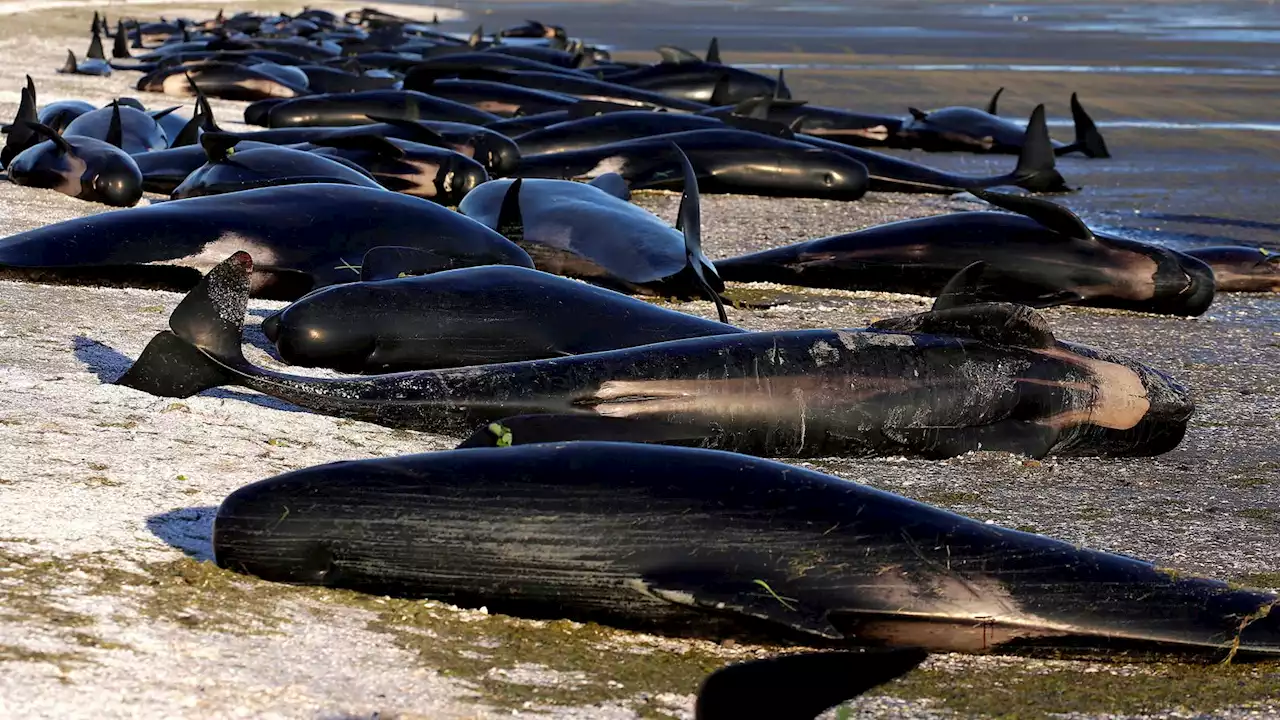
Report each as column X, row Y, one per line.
column 706, row 543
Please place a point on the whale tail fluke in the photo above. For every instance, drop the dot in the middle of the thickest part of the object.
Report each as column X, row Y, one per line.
column 172, row 367
column 689, row 222
column 1088, row 140
column 1036, row 169
column 203, row 338
column 799, row 686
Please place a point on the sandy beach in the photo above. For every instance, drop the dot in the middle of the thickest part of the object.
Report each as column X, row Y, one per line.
column 109, row 607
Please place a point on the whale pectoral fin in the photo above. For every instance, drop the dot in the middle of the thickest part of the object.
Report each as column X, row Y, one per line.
column 421, row 133
column 674, row 55
column 613, row 184
column 49, row 133
column 387, row 262
column 1065, row 297
column 376, row 144
column 751, row 597
column 799, row 686
column 1049, row 214
column 756, row 107
column 554, row 427
column 762, row 126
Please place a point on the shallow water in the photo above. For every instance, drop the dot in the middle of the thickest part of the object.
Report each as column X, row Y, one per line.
column 1196, row 164
column 1025, row 68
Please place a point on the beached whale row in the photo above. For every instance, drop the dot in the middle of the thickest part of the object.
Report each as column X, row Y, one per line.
column 612, row 454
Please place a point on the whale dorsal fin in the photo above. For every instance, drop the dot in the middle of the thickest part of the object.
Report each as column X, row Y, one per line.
column 1049, row 214
column 994, row 323
column 218, row 146
column 26, row 108
column 115, row 132
column 95, row 48
column 961, row 289
column 991, row 104
column 689, row 222
column 510, row 220
column 49, row 134
column 477, row 37
column 713, row 51
column 781, row 91
column 120, row 49
column 190, row 133
column 70, row 66
column 1088, row 139
column 205, row 109
column 918, row 114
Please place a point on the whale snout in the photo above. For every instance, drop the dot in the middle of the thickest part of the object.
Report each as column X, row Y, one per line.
column 466, row 176
column 1197, row 294
column 499, row 155
column 319, row 335
column 271, row 326
column 1163, row 424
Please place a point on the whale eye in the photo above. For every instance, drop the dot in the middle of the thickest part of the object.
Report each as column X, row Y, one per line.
column 828, row 179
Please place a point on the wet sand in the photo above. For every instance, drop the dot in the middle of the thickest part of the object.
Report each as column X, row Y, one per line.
column 109, row 493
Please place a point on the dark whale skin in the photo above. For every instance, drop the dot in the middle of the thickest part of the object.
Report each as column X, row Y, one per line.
column 921, row 385
column 702, row 542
